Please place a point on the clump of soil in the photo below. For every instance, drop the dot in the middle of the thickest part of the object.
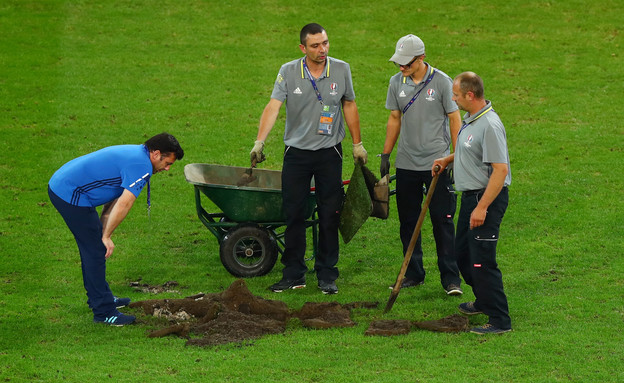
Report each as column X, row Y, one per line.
column 236, row 315
column 389, row 327
column 452, row 323
column 324, row 315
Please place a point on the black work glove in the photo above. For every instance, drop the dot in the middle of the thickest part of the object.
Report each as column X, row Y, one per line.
column 384, row 168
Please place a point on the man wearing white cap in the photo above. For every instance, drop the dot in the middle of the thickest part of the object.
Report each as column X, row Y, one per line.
column 425, row 120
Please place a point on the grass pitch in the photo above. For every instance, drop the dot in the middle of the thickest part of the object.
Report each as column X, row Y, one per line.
column 76, row 76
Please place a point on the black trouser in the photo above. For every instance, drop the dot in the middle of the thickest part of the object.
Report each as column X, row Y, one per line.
column 325, row 165
column 409, row 197
column 476, row 256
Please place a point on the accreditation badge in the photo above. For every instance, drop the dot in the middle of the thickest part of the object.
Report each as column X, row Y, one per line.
column 326, row 122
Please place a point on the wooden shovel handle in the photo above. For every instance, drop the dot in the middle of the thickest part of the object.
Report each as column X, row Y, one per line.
column 412, row 244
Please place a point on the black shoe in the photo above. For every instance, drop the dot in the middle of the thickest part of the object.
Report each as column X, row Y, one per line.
column 121, row 302
column 453, row 289
column 468, row 308
column 407, row 282
column 286, row 284
column 328, row 287
column 488, row 329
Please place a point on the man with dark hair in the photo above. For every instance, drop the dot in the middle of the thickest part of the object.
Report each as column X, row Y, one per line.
column 165, row 143
column 482, row 174
column 317, row 90
column 113, row 177
column 309, row 29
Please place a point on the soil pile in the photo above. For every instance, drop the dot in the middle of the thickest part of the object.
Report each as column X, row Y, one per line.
column 389, row 327
column 236, row 315
column 330, row 314
column 452, row 323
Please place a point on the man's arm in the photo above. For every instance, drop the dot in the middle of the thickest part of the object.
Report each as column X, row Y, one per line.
column 352, row 118
column 112, row 215
column 106, row 209
column 454, row 125
column 443, row 163
column 392, row 131
column 494, row 186
column 268, row 118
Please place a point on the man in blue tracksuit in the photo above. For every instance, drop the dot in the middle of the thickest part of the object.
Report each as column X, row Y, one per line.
column 113, row 177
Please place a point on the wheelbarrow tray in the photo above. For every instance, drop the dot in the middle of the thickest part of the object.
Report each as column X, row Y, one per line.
column 258, row 201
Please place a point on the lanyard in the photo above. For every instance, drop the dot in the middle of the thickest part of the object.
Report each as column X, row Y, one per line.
column 149, row 180
column 318, row 94
column 149, row 200
column 465, row 125
column 431, row 74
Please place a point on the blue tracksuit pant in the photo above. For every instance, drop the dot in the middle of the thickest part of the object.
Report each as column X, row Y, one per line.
column 85, row 225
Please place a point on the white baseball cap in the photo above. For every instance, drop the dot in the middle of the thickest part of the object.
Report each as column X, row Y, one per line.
column 407, row 48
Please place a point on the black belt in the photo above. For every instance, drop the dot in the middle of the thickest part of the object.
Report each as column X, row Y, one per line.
column 479, row 191
column 472, row 192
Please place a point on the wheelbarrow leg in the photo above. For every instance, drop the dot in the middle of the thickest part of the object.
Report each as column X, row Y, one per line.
column 206, row 218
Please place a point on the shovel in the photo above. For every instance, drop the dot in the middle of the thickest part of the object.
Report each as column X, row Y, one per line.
column 410, row 248
column 248, row 178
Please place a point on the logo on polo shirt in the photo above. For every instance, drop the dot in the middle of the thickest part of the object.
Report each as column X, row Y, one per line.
column 140, row 182
column 333, row 86
column 402, row 94
column 430, row 94
column 297, row 91
column 468, row 141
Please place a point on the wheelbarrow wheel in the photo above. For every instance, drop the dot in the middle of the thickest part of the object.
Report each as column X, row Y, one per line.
column 248, row 251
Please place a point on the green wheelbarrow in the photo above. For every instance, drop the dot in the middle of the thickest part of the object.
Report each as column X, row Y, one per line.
column 250, row 223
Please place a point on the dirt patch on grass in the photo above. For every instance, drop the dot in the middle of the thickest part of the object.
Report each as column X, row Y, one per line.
column 169, row 287
column 237, row 316
column 389, row 327
column 452, row 323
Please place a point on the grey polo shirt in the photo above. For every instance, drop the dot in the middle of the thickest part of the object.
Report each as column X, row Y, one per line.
column 424, row 134
column 481, row 142
column 303, row 109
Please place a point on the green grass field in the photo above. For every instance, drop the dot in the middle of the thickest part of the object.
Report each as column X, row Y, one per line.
column 76, row 76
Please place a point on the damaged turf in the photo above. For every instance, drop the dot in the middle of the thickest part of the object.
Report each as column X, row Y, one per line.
column 236, row 315
column 451, row 323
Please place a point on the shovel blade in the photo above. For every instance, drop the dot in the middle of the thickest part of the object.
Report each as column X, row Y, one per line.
column 246, row 178
column 391, row 300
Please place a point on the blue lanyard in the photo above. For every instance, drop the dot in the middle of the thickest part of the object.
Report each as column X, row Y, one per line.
column 318, row 94
column 465, row 125
column 431, row 74
column 149, row 200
